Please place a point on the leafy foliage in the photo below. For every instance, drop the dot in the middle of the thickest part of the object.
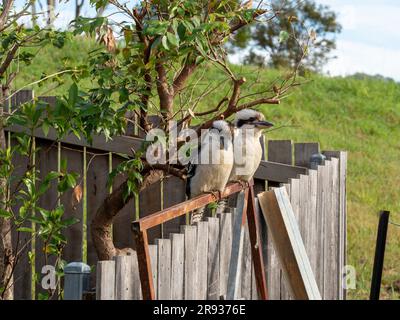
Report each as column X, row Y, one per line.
column 21, row 192
column 284, row 38
column 21, row 204
column 156, row 40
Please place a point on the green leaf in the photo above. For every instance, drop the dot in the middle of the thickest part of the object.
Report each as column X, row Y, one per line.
column 25, row 229
column 164, row 42
column 63, row 165
column 45, row 127
column 196, row 21
column 181, row 31
column 73, row 95
column 212, row 205
column 52, row 175
column 43, row 296
column 128, row 35
column 71, row 181
column 31, row 256
column 123, row 95
column 5, row 213
column 283, row 36
column 172, row 39
column 199, row 60
column 70, row 221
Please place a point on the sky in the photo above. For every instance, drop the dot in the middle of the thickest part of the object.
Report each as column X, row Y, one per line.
column 369, row 41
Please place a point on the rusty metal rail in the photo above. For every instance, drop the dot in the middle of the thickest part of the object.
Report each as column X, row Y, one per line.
column 141, row 226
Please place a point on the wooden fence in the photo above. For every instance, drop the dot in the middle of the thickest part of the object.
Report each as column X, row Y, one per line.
column 197, row 263
column 318, row 195
column 192, row 264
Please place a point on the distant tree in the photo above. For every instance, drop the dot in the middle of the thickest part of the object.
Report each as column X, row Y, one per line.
column 284, row 38
column 78, row 7
column 51, row 5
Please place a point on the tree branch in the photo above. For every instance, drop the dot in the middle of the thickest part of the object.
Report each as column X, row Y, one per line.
column 258, row 102
column 202, row 114
column 9, row 58
column 228, row 112
column 102, row 221
column 164, row 92
column 182, row 77
column 6, row 11
column 242, row 23
column 236, row 93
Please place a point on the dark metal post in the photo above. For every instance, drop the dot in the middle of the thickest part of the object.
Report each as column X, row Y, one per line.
column 379, row 255
column 76, row 280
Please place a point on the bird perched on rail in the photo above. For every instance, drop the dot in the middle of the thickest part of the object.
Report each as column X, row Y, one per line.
column 249, row 125
column 209, row 170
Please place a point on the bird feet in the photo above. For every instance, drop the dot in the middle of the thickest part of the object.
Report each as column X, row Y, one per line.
column 243, row 184
column 215, row 193
column 195, row 218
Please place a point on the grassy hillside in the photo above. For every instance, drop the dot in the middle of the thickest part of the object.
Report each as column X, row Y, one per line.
column 361, row 116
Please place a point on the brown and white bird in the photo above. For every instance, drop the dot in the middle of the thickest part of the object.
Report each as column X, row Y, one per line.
column 209, row 171
column 249, row 125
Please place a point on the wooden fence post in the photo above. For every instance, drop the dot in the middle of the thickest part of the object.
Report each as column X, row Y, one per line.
column 105, row 280
column 213, row 259
column 342, row 156
column 303, row 152
column 280, row 151
column 177, row 265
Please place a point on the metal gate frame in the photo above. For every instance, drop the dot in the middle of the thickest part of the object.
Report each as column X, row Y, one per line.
column 141, row 226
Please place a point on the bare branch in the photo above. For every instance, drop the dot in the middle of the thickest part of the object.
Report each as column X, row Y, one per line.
column 9, row 58
column 236, row 93
column 182, row 77
column 164, row 92
column 258, row 102
column 228, row 112
column 6, row 11
column 240, row 24
column 202, row 114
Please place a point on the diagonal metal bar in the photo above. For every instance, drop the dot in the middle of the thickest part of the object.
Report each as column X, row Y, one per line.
column 256, row 247
column 141, row 226
column 182, row 208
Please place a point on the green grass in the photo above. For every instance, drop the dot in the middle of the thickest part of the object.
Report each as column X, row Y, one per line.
column 360, row 116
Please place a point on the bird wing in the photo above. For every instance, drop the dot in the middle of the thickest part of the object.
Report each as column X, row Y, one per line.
column 191, row 171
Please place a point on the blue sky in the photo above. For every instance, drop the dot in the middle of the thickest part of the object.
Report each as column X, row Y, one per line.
column 369, row 42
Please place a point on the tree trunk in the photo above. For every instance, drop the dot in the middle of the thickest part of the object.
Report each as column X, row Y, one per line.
column 102, row 222
column 33, row 13
column 51, row 4
column 78, row 8
column 6, row 252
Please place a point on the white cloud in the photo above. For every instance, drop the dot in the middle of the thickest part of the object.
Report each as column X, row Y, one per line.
column 370, row 41
column 361, row 57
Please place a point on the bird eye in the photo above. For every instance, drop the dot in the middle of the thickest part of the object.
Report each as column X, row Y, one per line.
column 241, row 123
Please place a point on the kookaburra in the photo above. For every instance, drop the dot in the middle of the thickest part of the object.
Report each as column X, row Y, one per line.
column 249, row 125
column 210, row 169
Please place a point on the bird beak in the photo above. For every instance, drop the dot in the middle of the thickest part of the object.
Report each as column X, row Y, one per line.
column 263, row 124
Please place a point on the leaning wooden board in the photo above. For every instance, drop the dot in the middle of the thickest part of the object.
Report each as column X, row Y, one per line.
column 278, row 212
